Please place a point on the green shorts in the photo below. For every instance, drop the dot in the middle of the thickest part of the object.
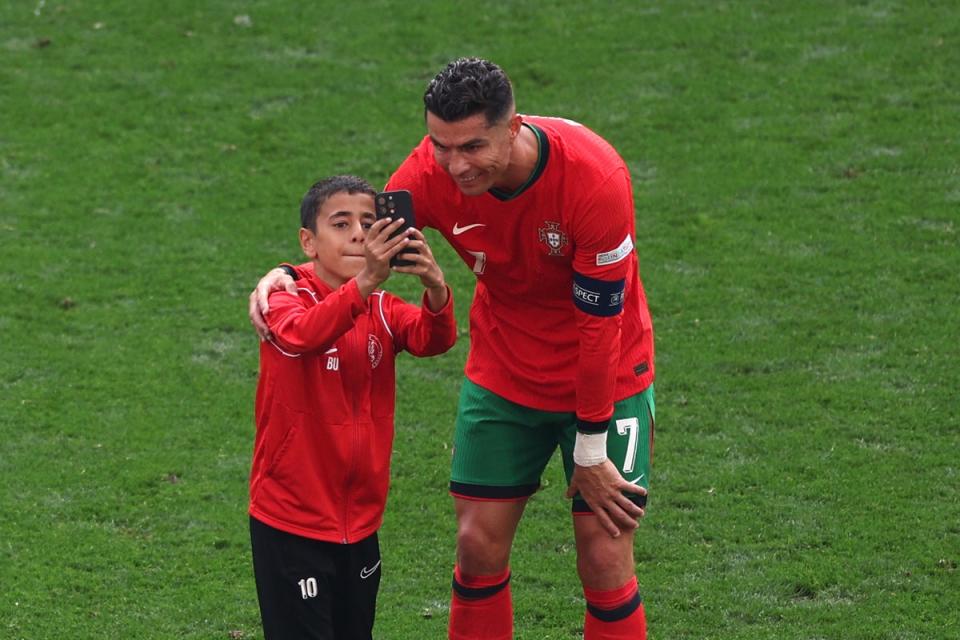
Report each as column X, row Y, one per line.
column 501, row 448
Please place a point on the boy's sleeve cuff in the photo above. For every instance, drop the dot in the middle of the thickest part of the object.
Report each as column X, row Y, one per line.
column 442, row 310
column 352, row 289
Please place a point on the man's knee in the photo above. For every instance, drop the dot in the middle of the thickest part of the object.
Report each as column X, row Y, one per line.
column 482, row 550
column 485, row 534
column 604, row 562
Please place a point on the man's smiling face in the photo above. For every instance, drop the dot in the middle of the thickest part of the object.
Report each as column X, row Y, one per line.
column 474, row 153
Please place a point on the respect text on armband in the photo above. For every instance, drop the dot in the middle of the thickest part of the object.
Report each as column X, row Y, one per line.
column 598, row 297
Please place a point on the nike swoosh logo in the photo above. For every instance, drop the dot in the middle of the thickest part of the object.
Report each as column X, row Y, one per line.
column 457, row 230
column 636, row 480
column 366, row 573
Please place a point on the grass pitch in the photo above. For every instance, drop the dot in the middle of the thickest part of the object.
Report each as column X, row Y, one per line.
column 798, row 188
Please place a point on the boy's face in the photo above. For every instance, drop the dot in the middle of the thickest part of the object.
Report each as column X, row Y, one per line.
column 336, row 247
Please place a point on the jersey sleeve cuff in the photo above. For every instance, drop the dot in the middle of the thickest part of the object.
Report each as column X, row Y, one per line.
column 590, row 426
column 442, row 310
column 290, row 270
column 351, row 293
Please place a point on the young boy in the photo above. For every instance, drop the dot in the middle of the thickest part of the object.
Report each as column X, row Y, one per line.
column 324, row 413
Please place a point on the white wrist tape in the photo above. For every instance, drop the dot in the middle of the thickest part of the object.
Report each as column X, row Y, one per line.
column 590, row 449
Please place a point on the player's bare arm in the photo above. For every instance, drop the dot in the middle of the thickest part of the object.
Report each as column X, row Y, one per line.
column 602, row 487
column 425, row 266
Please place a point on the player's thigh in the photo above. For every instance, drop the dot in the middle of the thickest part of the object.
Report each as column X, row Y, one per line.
column 296, row 580
column 500, row 448
column 355, row 601
column 629, row 443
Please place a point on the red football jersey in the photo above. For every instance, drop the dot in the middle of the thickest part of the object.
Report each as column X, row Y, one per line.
column 325, row 403
column 536, row 337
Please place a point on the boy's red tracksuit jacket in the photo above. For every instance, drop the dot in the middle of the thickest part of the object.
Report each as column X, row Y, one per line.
column 325, row 402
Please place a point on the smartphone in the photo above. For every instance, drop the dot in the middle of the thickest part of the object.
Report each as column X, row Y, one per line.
column 397, row 204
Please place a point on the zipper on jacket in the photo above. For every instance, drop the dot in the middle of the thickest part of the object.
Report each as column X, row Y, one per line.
column 357, row 356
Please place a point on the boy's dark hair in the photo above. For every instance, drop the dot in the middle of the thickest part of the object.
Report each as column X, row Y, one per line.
column 468, row 86
column 325, row 188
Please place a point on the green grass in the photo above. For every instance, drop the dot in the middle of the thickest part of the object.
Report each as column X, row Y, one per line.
column 798, row 203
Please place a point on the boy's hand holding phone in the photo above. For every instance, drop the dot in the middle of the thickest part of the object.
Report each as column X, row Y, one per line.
column 423, row 264
column 379, row 249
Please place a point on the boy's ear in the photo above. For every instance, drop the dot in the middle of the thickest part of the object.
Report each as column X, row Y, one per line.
column 306, row 243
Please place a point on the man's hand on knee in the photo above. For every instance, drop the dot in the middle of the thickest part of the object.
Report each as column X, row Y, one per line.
column 602, row 488
column 275, row 280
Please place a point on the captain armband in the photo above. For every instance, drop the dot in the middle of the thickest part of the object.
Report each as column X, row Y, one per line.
column 598, row 297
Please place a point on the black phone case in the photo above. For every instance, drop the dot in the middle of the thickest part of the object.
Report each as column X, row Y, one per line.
column 397, row 204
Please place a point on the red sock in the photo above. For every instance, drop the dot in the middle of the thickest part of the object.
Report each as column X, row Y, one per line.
column 480, row 607
column 616, row 614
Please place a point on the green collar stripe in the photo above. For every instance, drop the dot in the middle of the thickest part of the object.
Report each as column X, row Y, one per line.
column 544, row 153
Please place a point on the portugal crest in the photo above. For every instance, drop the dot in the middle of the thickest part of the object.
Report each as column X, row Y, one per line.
column 554, row 238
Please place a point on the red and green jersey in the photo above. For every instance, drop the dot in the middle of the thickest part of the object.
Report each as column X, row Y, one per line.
column 559, row 320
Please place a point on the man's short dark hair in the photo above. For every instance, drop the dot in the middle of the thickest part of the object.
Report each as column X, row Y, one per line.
column 325, row 188
column 468, row 86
